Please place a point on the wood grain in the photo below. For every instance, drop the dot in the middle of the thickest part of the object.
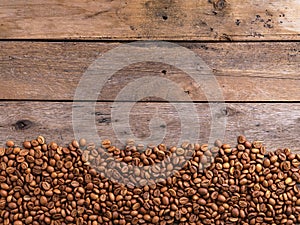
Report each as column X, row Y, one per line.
column 245, row 71
column 150, row 19
column 275, row 124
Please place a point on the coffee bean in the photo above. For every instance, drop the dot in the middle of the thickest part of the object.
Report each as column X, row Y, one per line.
column 183, row 200
column 12, row 205
column 106, row 143
column 10, row 143
column 221, row 198
column 241, row 139
column 202, row 191
column 43, row 200
column 147, row 217
column 136, row 206
column 46, row 186
column 288, row 181
column 4, row 186
column 155, row 219
column 243, row 181
column 165, row 200
column 202, row 202
column 235, row 212
column 172, row 192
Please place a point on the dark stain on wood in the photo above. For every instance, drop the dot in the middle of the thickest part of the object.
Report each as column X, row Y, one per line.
column 106, row 120
column 220, row 7
column 23, row 124
column 229, row 111
column 164, row 72
column 168, row 11
column 220, row 4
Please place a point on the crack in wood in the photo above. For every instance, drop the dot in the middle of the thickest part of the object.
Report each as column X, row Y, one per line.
column 96, row 14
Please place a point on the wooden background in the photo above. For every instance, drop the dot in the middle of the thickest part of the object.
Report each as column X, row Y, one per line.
column 252, row 47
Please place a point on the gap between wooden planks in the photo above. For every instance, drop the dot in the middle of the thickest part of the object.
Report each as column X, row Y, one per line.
column 150, row 19
column 275, row 124
column 264, row 71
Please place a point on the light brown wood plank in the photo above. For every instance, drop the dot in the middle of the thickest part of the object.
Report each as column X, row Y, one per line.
column 244, row 71
column 151, row 19
column 275, row 124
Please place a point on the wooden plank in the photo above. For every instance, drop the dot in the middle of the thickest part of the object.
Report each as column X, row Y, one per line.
column 150, row 19
column 244, row 71
column 275, row 124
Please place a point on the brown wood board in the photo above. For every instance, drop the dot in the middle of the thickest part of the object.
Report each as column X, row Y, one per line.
column 275, row 124
column 264, row 71
column 150, row 19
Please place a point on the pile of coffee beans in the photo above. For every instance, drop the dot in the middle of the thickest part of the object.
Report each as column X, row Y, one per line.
column 81, row 183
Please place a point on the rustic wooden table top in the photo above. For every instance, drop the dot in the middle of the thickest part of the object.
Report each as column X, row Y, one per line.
column 252, row 48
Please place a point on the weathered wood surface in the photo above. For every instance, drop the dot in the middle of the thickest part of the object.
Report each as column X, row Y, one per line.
column 150, row 19
column 278, row 125
column 245, row 71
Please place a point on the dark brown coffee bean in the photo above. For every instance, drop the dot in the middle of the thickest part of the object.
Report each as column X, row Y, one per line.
column 12, row 205
column 221, row 198
column 235, row 212
column 202, row 191
column 43, row 200
column 4, row 186
column 165, row 200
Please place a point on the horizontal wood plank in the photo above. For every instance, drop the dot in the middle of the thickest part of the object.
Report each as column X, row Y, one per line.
column 278, row 125
column 244, row 71
column 150, row 19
